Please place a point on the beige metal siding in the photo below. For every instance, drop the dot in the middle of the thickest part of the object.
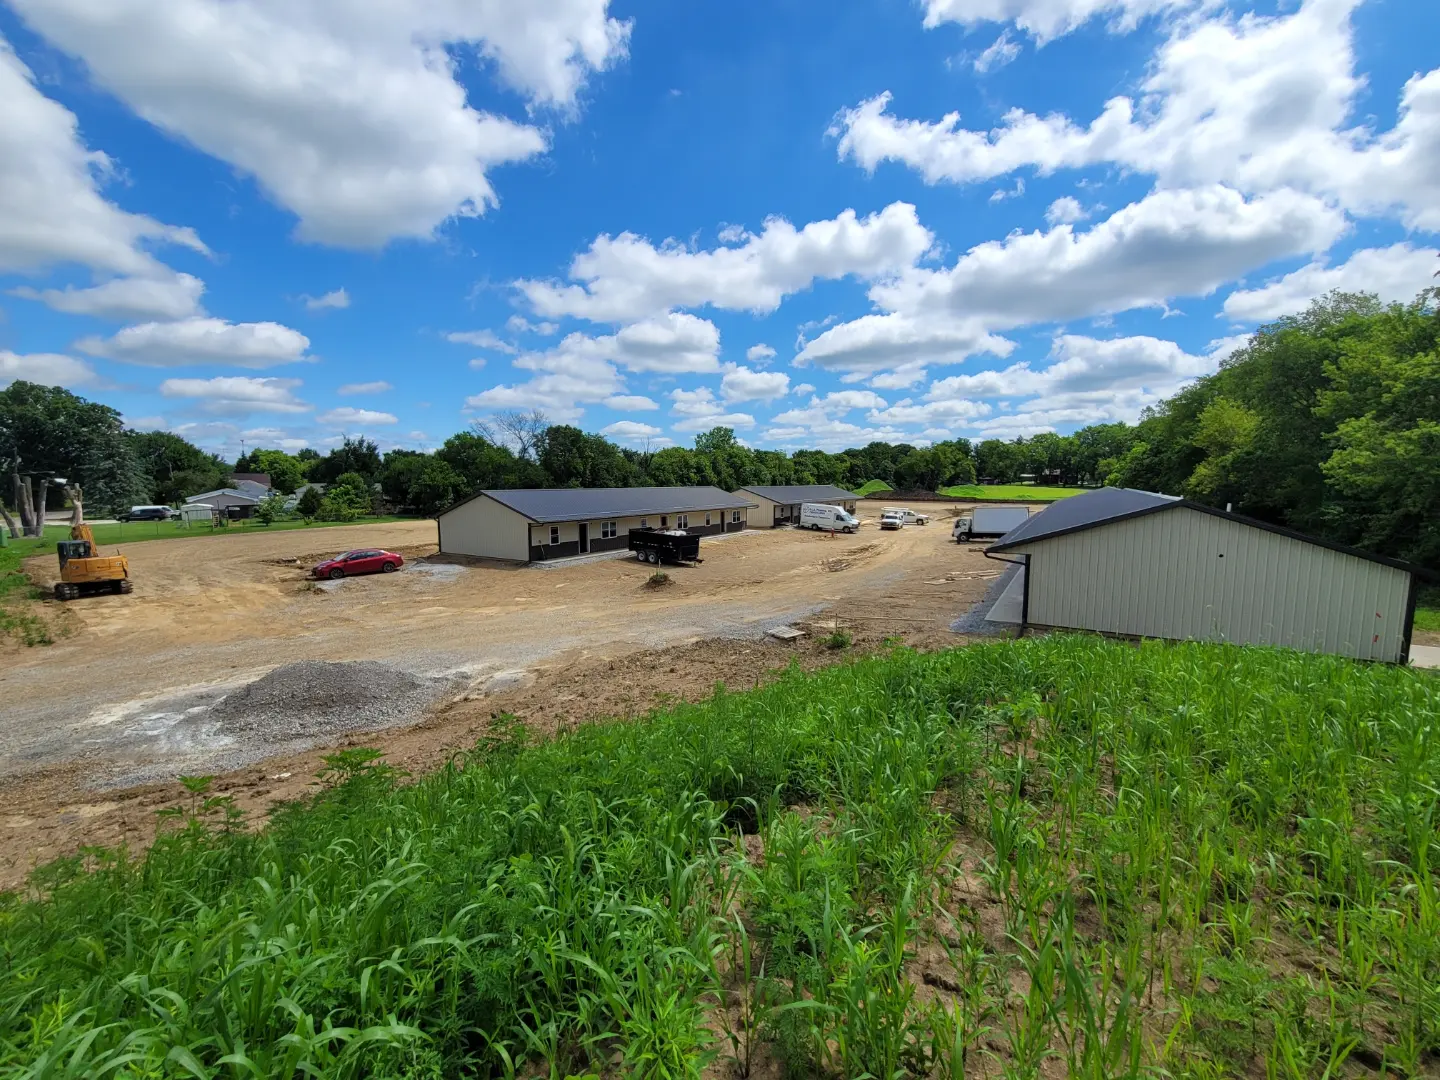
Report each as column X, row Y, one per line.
column 764, row 510
column 1185, row 574
column 484, row 528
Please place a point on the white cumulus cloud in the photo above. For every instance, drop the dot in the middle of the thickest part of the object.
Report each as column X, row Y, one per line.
column 48, row 369
column 202, row 341
column 1065, row 210
column 481, row 339
column 1396, row 272
column 347, row 416
column 348, row 113
column 626, row 277
column 637, row 402
column 237, row 395
column 744, row 384
column 1047, row 19
column 1259, row 103
column 379, row 387
column 51, row 208
column 335, row 298
column 1003, row 50
column 629, row 430
column 166, row 296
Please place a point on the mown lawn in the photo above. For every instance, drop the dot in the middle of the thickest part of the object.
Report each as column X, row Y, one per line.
column 872, row 486
column 1109, row 859
column 17, row 619
column 1026, row 492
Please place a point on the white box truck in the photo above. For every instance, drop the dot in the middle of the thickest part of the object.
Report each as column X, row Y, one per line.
column 989, row 521
column 827, row 518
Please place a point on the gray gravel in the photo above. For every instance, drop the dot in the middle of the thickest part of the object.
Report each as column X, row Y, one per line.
column 974, row 621
column 316, row 697
column 291, row 708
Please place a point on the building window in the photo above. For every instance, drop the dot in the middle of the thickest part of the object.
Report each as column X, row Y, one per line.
column 682, row 521
column 644, row 523
column 554, row 534
column 734, row 515
column 707, row 519
column 664, row 521
column 607, row 530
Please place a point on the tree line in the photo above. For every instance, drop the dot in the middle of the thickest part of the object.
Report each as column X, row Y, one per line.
column 1327, row 421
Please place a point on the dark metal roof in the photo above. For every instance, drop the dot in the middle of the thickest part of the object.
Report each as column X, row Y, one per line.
column 1103, row 506
column 1076, row 512
column 799, row 493
column 588, row 504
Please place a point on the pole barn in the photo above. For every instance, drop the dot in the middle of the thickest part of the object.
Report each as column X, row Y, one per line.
column 1135, row 563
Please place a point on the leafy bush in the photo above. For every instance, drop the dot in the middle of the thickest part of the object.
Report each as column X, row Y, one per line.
column 270, row 508
column 838, row 639
column 310, row 503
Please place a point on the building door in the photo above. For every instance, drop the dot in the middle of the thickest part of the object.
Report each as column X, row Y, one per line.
column 584, row 538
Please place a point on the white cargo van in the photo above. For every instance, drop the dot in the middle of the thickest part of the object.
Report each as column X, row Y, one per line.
column 827, row 517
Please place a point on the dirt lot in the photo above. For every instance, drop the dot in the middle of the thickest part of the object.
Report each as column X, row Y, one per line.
column 94, row 730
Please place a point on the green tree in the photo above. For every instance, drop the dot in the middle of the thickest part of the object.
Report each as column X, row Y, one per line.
column 572, row 458
column 401, row 469
column 46, row 433
column 311, row 501
column 1226, row 431
column 360, row 455
column 286, row 473
column 486, row 464
column 716, row 439
column 174, row 468
column 436, row 487
column 270, row 508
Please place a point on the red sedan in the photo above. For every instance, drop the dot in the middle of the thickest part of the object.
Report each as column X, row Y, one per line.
column 360, row 561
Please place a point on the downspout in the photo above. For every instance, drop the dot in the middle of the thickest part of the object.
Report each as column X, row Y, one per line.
column 1024, row 563
column 1409, row 623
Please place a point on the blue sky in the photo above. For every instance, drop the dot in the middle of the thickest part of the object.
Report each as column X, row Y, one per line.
column 284, row 222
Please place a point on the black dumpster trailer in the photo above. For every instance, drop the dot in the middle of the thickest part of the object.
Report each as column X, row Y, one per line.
column 665, row 545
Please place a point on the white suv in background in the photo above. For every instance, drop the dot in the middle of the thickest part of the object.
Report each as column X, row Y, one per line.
column 892, row 519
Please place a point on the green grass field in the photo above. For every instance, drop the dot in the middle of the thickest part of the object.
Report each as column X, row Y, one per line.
column 1025, row 492
column 1427, row 618
column 1106, row 859
column 872, row 486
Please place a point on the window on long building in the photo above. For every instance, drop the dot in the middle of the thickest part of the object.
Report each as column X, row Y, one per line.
column 554, row 534
column 607, row 530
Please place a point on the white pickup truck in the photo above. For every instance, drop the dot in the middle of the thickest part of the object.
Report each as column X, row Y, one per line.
column 908, row 516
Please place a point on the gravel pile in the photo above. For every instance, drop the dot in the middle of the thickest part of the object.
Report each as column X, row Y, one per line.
column 314, row 698
column 974, row 621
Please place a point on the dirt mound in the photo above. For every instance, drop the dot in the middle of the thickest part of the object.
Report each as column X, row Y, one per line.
column 315, row 697
column 853, row 557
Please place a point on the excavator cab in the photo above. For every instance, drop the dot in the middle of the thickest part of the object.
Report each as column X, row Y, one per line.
column 83, row 572
column 73, row 549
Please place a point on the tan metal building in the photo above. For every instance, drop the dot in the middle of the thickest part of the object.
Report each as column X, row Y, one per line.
column 1139, row 564
column 530, row 524
column 780, row 504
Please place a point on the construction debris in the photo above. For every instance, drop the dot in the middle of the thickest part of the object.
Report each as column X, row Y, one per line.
column 785, row 633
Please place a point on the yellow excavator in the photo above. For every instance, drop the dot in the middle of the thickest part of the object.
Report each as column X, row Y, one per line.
column 83, row 572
